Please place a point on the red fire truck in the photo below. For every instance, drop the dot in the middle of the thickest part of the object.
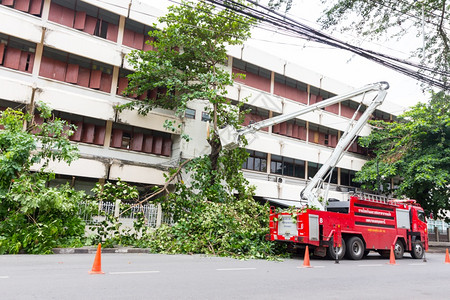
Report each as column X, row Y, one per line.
column 338, row 228
column 355, row 227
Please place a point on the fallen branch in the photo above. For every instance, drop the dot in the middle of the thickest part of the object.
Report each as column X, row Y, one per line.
column 163, row 188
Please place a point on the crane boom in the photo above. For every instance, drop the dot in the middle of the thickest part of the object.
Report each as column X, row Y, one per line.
column 230, row 137
column 311, row 191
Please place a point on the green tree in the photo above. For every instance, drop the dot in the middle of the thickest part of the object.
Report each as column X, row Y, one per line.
column 395, row 19
column 34, row 217
column 416, row 149
column 187, row 63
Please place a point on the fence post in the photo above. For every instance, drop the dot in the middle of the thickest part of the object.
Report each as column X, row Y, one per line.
column 436, row 232
column 448, row 234
column 159, row 216
column 117, row 208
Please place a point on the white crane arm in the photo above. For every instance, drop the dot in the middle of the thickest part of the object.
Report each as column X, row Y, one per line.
column 230, row 137
column 310, row 192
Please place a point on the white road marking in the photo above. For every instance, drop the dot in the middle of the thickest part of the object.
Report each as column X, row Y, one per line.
column 310, row 267
column 418, row 264
column 376, row 265
column 236, row 269
column 4, row 277
column 133, row 272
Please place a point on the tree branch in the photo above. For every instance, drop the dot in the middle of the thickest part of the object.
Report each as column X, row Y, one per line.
column 163, row 189
column 441, row 31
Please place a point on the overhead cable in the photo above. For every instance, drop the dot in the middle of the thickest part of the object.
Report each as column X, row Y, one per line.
column 269, row 16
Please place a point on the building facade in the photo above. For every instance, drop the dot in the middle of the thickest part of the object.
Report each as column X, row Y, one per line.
column 71, row 54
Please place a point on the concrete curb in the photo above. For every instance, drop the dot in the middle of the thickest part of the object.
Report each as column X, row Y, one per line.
column 93, row 250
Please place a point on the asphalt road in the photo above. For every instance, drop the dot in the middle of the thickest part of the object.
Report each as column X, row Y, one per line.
column 152, row 276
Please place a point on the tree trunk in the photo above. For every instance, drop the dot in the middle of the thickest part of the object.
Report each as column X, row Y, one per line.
column 214, row 142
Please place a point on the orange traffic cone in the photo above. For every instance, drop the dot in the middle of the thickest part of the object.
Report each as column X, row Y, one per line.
column 306, row 263
column 392, row 257
column 97, row 266
column 447, row 258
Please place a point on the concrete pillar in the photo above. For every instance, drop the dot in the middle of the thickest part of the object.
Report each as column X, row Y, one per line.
column 108, row 133
column 117, row 208
column 115, row 80
column 272, row 82
column 121, row 30
column 436, row 232
column 159, row 216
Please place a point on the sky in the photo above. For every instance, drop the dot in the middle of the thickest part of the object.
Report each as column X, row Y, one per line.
column 340, row 65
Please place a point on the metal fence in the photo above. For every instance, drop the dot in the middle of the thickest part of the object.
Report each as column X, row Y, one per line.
column 439, row 225
column 152, row 213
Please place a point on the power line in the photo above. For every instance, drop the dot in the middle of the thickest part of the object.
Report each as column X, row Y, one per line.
column 269, row 16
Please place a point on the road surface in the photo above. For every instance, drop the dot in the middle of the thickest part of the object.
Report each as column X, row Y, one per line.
column 155, row 276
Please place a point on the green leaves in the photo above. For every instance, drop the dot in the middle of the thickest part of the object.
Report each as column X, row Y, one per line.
column 185, row 63
column 415, row 150
column 213, row 206
column 34, row 217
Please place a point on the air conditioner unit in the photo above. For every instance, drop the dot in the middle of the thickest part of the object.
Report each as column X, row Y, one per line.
column 280, row 180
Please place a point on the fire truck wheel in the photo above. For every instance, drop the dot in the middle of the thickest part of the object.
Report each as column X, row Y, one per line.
column 341, row 251
column 417, row 250
column 398, row 249
column 355, row 248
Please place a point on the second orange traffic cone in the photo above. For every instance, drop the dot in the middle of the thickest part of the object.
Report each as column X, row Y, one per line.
column 392, row 257
column 97, row 266
column 306, row 263
column 447, row 258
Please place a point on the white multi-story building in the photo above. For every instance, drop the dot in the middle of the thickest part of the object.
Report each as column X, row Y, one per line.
column 71, row 54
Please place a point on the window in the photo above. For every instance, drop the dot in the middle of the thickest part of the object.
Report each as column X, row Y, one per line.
column 75, row 69
column 136, row 35
column 189, row 113
column 334, row 176
column 257, row 161
column 319, row 92
column 287, row 166
column 205, row 117
column 421, row 215
column 33, row 7
column 141, row 140
column 347, row 177
column 85, row 17
column 379, row 115
column 251, row 68
column 89, row 130
column 16, row 54
column 291, row 82
column 313, row 168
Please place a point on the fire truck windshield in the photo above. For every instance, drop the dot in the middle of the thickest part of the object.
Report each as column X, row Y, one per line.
column 421, row 215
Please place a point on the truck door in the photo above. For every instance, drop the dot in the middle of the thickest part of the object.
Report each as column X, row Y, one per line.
column 313, row 227
column 403, row 220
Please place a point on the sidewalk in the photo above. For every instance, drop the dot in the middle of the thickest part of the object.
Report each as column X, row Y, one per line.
column 438, row 247
column 434, row 247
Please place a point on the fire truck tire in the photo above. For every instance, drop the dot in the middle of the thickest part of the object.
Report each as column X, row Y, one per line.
column 331, row 254
column 417, row 250
column 398, row 249
column 355, row 248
